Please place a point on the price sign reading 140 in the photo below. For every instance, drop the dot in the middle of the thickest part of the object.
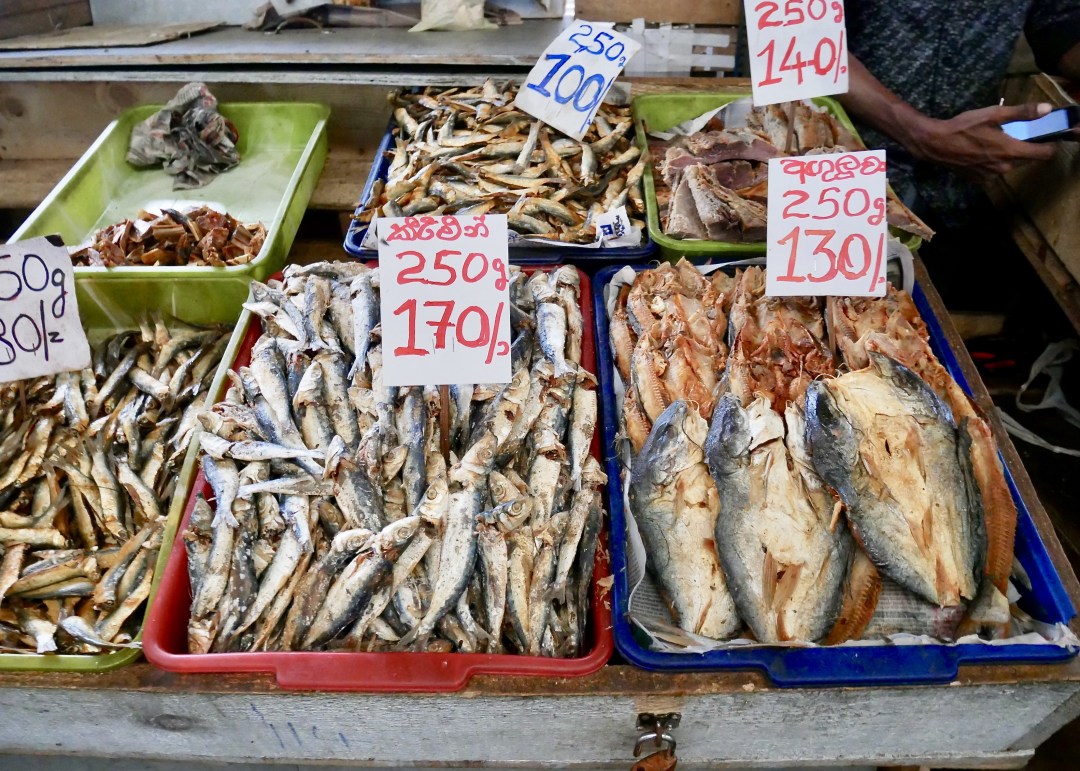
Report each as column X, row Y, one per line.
column 567, row 85
column 40, row 330
column 798, row 49
column 826, row 232
column 444, row 283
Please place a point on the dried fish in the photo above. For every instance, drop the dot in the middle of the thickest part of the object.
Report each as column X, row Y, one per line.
column 389, row 545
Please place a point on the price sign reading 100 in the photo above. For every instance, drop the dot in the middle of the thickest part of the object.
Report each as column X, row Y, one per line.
column 570, row 80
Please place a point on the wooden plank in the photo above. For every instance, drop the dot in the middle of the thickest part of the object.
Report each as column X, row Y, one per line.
column 674, row 11
column 36, row 21
column 515, row 47
column 1043, row 258
column 241, row 719
column 24, row 184
column 104, row 37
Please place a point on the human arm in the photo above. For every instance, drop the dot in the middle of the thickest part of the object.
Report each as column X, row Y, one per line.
column 971, row 142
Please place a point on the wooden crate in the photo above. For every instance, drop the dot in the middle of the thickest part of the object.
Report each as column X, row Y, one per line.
column 33, row 17
column 720, row 12
column 1042, row 200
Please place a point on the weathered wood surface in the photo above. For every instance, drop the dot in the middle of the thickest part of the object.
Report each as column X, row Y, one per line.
column 731, row 719
column 102, row 37
column 515, row 47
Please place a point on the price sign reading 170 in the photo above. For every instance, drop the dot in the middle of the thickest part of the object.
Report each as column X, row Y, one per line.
column 798, row 49
column 567, row 85
column 827, row 225
column 444, row 284
column 40, row 329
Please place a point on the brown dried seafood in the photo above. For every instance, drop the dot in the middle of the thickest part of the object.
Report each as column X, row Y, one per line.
column 202, row 236
column 89, row 465
column 713, row 185
column 472, row 152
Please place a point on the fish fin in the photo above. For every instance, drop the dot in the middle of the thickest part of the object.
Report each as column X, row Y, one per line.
column 860, row 601
column 948, row 592
column 768, row 578
column 787, row 581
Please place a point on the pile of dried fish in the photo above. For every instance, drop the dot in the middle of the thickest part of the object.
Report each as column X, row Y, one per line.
column 202, row 236
column 338, row 524
column 472, row 151
column 714, row 184
column 90, row 464
column 739, row 505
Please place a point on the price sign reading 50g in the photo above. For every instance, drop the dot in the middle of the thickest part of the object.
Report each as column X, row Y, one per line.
column 445, row 300
column 826, row 225
column 568, row 84
column 798, row 49
column 40, row 330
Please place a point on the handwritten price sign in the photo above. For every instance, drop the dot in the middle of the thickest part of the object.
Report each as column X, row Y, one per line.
column 826, row 231
column 798, row 49
column 445, row 300
column 40, row 331
column 567, row 85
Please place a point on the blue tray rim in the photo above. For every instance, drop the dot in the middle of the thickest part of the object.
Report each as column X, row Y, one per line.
column 870, row 665
column 354, row 237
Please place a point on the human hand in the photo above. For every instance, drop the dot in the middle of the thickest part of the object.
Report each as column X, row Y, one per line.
column 973, row 142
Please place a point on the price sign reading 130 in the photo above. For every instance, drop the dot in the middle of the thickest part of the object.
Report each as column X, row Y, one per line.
column 444, row 284
column 798, row 49
column 567, row 85
column 827, row 225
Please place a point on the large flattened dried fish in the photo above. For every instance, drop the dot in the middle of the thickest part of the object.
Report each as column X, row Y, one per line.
column 888, row 445
column 784, row 562
column 675, row 505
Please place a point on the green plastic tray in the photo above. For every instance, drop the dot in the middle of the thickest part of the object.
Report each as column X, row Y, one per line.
column 660, row 112
column 199, row 301
column 282, row 150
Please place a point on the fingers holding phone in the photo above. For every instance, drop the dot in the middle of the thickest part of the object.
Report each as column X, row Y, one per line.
column 1053, row 126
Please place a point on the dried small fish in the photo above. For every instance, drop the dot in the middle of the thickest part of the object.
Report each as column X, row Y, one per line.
column 389, row 545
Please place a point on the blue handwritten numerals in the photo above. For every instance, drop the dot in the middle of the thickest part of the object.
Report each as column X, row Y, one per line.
column 40, row 296
column 573, row 84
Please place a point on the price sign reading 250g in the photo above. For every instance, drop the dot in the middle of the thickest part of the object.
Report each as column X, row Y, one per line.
column 826, row 225
column 567, row 85
column 445, row 300
column 40, row 330
column 798, row 49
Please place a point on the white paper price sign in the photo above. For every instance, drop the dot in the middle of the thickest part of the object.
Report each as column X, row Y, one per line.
column 568, row 84
column 826, row 231
column 444, row 283
column 40, row 330
column 798, row 49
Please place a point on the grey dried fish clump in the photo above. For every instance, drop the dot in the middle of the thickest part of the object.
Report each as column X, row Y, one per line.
column 90, row 463
column 338, row 524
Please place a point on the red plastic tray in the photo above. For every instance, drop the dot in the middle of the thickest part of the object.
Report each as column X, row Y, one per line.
column 165, row 633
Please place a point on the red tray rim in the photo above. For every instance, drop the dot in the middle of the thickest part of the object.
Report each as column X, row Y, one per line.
column 378, row 671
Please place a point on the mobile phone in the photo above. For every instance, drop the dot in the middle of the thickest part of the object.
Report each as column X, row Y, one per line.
column 1045, row 129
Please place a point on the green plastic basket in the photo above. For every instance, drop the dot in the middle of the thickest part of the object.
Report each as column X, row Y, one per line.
column 200, row 300
column 659, row 112
column 282, row 150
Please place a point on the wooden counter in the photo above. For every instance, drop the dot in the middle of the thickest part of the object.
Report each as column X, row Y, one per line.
column 990, row 717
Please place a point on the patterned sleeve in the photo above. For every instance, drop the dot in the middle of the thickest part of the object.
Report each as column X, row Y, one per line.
column 1053, row 27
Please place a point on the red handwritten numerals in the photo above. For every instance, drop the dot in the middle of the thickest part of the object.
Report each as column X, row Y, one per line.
column 472, row 326
column 831, row 211
column 796, row 12
column 853, row 260
column 796, row 43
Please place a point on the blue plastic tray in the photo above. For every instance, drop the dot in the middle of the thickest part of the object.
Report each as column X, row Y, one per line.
column 354, row 238
column 827, row 666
